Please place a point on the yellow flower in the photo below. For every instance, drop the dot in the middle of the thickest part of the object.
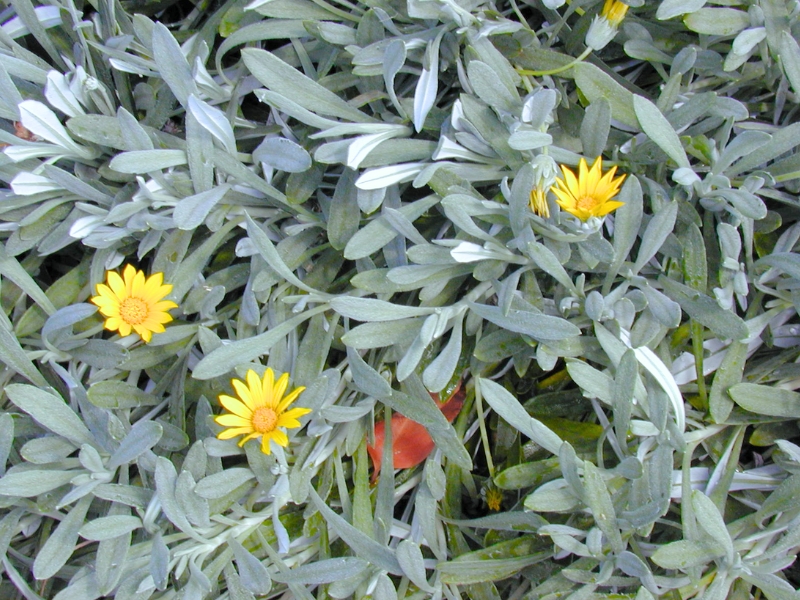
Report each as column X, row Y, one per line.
column 494, row 498
column 589, row 194
column 260, row 409
column 605, row 25
column 133, row 302
column 614, row 12
column 538, row 202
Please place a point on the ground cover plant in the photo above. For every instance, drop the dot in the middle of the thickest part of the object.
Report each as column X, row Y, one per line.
column 399, row 299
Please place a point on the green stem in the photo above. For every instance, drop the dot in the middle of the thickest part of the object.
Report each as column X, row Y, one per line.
column 697, row 349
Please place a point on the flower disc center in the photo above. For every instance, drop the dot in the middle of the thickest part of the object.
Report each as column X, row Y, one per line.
column 264, row 419
column 133, row 311
column 587, row 202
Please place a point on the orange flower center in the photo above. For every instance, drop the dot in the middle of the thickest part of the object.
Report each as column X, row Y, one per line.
column 133, row 311
column 587, row 202
column 264, row 419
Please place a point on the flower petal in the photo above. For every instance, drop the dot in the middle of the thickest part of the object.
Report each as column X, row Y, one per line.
column 228, row 420
column 235, row 406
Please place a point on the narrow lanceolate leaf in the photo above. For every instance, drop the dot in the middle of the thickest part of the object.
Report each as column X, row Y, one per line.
column 364, row 546
column 59, row 546
column 658, row 129
column 280, row 77
column 766, row 400
column 50, row 411
column 508, row 407
column 172, row 64
column 427, row 85
column 705, row 310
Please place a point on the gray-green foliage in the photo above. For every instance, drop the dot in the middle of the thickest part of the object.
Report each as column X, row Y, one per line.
column 340, row 190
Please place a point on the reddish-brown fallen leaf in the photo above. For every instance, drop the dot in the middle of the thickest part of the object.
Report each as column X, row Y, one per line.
column 411, row 442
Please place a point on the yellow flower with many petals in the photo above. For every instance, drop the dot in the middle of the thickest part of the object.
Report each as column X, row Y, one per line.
column 614, row 11
column 260, row 409
column 604, row 27
column 590, row 193
column 134, row 302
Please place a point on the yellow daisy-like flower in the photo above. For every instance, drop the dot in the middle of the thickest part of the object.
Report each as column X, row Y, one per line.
column 538, row 202
column 134, row 302
column 260, row 409
column 590, row 193
column 614, row 12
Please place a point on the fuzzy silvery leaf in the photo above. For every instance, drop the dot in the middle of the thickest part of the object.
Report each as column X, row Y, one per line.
column 365, row 378
column 594, row 383
column 668, row 9
column 497, row 94
column 344, row 215
column 493, row 563
column 538, row 326
column 119, row 394
column 509, row 408
column 441, row 369
column 383, row 177
column 659, row 227
column 50, row 411
column 324, row 571
column 364, row 546
column 595, row 127
column 717, row 21
column 9, row 96
column 282, row 154
column 144, row 161
column 34, row 482
column 142, row 436
column 378, row 232
column 600, row 503
column 60, row 96
column 221, row 484
column 7, row 438
column 41, row 121
column 427, row 84
column 658, row 129
column 703, row 309
column 165, row 479
column 253, row 573
column 214, row 121
column 172, row 64
column 190, row 212
column 270, row 254
column 766, row 400
column 227, row 357
column 58, row 548
column 283, row 79
column 13, row 356
column 596, row 84
column 529, row 139
column 106, row 528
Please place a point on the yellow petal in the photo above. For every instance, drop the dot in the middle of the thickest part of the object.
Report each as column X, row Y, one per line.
column 244, row 393
column 229, row 420
column 128, row 274
column 279, row 389
column 116, row 284
column 289, row 399
column 254, row 383
column 227, row 434
column 235, row 406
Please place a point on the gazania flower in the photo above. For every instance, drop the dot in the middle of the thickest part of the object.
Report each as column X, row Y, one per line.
column 538, row 202
column 590, row 193
column 260, row 410
column 134, row 303
column 544, row 175
column 605, row 25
